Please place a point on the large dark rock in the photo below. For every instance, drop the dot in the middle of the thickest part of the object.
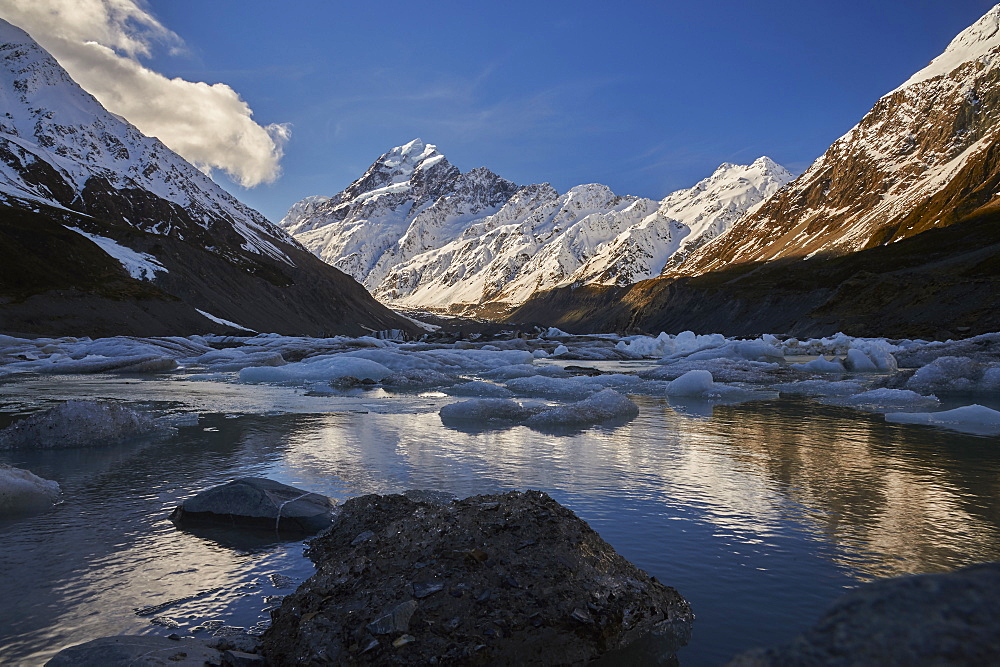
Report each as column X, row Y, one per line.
column 501, row 579
column 257, row 502
column 931, row 619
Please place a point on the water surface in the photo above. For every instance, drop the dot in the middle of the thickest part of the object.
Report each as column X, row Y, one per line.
column 760, row 514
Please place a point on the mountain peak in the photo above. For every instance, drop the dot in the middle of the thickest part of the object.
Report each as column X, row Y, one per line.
column 976, row 41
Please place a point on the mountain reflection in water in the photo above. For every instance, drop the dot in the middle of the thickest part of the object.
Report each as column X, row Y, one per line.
column 760, row 514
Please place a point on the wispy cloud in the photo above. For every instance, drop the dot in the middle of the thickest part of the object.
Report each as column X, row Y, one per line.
column 100, row 43
column 465, row 109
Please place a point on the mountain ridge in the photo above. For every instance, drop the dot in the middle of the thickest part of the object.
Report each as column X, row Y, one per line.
column 65, row 160
column 464, row 241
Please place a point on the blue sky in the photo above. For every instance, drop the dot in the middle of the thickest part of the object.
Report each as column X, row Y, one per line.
column 646, row 97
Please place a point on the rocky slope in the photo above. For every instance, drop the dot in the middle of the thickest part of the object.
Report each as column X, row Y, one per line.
column 106, row 230
column 419, row 233
column 925, row 156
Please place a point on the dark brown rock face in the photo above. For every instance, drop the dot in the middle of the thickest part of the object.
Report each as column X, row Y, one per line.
column 500, row 579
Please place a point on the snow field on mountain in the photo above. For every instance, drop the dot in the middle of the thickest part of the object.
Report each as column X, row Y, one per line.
column 581, row 383
column 44, row 108
column 139, row 265
column 419, row 233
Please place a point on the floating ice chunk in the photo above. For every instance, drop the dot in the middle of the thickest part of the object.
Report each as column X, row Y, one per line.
column 859, row 362
column 692, row 383
column 24, row 491
column 758, row 350
column 77, row 424
column 487, row 411
column 539, row 354
column 699, row 384
column 418, row 378
column 820, row 365
column 603, row 406
column 525, row 370
column 568, row 388
column 444, row 360
column 233, row 359
column 479, row 388
column 645, row 346
column 974, row 418
column 947, row 374
column 819, row 388
column 316, row 369
column 723, row 370
column 991, row 379
column 879, row 351
column 555, row 333
column 616, row 381
column 560, row 349
column 887, row 400
column 983, row 348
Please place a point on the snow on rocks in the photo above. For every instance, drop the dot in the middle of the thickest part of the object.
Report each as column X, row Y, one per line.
column 78, row 424
column 975, row 418
column 24, row 491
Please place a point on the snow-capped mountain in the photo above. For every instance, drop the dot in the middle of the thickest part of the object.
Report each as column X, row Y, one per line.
column 925, row 156
column 419, row 233
column 62, row 154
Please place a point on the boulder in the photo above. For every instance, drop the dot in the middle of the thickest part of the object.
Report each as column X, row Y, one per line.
column 930, row 619
column 257, row 502
column 499, row 579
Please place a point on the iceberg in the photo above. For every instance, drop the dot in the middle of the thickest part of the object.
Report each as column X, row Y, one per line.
column 24, row 491
column 77, row 424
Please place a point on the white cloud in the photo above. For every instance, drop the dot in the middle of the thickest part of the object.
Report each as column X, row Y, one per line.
column 99, row 42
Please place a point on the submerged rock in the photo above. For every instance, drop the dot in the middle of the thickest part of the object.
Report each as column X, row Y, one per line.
column 257, row 502
column 78, row 424
column 502, row 579
column 930, row 619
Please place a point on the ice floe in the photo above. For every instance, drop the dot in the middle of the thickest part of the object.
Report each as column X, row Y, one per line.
column 603, row 406
column 871, row 374
column 24, row 491
column 326, row 368
column 887, row 400
column 975, row 418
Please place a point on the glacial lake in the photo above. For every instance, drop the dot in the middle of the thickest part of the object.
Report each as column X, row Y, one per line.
column 760, row 514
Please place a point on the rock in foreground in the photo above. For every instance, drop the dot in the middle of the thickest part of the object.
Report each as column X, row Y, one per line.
column 931, row 619
column 502, row 579
column 257, row 502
